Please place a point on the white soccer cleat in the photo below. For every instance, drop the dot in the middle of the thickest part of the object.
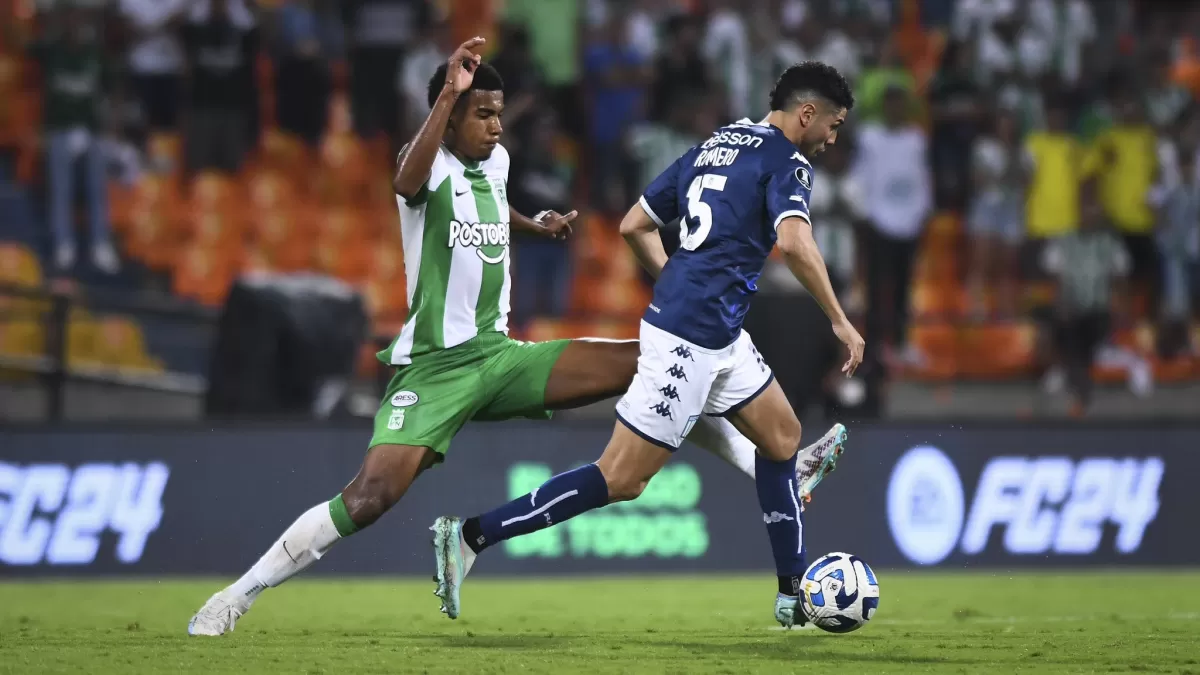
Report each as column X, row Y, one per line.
column 819, row 460
column 217, row 616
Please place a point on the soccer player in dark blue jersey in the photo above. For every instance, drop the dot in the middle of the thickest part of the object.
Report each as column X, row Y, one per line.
column 738, row 195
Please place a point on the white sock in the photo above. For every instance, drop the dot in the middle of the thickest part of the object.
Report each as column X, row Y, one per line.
column 718, row 436
column 301, row 545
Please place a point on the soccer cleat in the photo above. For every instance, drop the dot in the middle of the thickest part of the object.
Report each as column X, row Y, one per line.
column 787, row 610
column 819, row 460
column 217, row 616
column 454, row 560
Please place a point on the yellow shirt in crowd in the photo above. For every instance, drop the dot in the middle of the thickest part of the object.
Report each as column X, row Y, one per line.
column 1052, row 205
column 1126, row 161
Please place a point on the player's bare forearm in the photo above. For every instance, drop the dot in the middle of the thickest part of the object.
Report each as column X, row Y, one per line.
column 804, row 259
column 641, row 233
column 416, row 159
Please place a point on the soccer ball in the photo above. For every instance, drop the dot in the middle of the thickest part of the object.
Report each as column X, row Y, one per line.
column 839, row 593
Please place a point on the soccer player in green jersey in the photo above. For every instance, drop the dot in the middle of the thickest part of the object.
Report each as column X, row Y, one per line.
column 454, row 360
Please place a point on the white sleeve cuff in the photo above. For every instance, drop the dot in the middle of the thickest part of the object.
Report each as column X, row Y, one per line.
column 792, row 214
column 649, row 211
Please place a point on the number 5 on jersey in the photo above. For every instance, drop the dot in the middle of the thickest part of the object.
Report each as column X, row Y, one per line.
column 699, row 212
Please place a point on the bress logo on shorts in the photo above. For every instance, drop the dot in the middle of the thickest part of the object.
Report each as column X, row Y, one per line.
column 479, row 236
column 54, row 513
column 1054, row 504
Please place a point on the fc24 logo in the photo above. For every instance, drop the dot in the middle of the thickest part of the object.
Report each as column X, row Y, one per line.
column 55, row 514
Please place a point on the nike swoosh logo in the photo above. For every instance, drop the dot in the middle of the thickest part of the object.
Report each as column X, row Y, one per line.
column 797, row 198
column 459, row 194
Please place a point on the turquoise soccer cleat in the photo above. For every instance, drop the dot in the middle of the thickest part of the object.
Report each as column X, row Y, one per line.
column 787, row 610
column 452, row 564
column 819, row 460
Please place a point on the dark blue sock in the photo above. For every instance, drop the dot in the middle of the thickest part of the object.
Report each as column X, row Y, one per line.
column 779, row 497
column 561, row 498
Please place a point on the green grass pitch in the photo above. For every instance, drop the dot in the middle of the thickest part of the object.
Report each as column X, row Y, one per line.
column 1120, row 621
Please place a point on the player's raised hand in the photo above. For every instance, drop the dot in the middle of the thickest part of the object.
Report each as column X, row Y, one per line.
column 556, row 225
column 462, row 65
column 846, row 332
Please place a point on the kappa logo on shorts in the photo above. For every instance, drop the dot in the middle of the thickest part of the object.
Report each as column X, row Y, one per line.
column 676, row 372
column 669, row 392
column 396, row 421
column 403, row 399
column 663, row 410
column 683, row 352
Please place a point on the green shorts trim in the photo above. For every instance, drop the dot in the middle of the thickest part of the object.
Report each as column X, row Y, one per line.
column 490, row 377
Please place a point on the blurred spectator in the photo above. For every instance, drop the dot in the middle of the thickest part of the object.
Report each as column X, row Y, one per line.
column 1165, row 100
column 1179, row 245
column 727, row 47
column 838, row 210
column 1055, row 160
column 995, row 218
column 221, row 40
column 378, row 33
column 309, row 39
column 539, row 180
column 771, row 53
column 1127, row 157
column 75, row 73
column 680, row 70
column 887, row 72
column 522, row 80
column 641, row 28
column 654, row 146
column 1085, row 263
column 892, row 170
column 554, row 29
column 156, row 58
column 617, row 75
column 955, row 106
column 425, row 54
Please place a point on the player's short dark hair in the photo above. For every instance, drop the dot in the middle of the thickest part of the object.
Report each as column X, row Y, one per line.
column 486, row 79
column 811, row 79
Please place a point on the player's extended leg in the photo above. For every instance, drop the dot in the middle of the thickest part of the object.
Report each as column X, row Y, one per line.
column 769, row 421
column 591, row 369
column 386, row 474
column 425, row 405
column 622, row 472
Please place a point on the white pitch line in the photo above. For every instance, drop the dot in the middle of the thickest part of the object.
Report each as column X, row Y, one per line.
column 1013, row 620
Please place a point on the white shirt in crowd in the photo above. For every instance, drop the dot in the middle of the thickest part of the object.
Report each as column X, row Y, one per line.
column 727, row 49
column 155, row 49
column 891, row 169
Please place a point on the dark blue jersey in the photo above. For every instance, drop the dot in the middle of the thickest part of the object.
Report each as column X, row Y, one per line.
column 730, row 192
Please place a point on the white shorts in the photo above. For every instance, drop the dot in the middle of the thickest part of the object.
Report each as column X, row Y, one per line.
column 677, row 382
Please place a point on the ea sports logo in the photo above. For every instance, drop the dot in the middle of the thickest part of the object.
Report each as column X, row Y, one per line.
column 925, row 505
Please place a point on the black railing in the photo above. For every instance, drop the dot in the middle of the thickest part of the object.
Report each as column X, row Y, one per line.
column 52, row 307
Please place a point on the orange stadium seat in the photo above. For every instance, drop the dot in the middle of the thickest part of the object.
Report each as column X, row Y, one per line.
column 151, row 239
column 386, row 261
column 938, row 341
column 998, row 350
column 203, row 275
column 385, row 299
column 346, row 259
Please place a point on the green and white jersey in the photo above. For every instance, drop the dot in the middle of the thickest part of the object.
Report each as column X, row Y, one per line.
column 456, row 234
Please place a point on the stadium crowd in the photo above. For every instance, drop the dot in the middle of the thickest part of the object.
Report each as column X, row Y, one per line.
column 1010, row 163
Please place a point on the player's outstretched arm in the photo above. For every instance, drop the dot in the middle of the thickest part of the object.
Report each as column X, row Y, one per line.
column 416, row 159
column 804, row 259
column 641, row 233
